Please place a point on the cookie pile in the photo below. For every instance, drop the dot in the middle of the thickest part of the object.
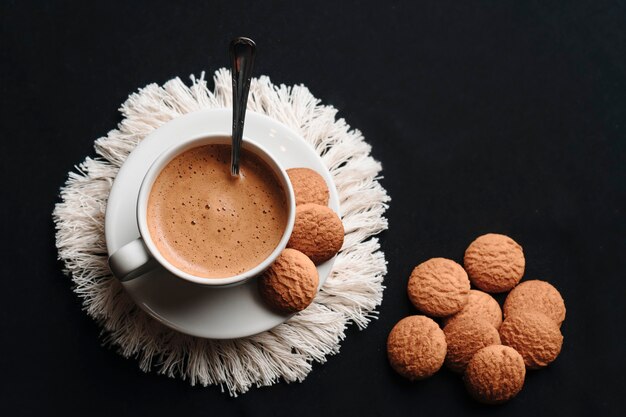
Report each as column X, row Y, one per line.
column 290, row 283
column 492, row 354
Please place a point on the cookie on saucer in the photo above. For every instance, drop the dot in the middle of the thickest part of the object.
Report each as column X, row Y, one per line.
column 290, row 283
column 308, row 186
column 317, row 232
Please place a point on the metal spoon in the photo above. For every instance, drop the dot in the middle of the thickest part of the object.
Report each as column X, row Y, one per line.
column 242, row 51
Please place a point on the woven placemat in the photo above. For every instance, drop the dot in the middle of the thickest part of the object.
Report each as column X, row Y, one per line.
column 350, row 295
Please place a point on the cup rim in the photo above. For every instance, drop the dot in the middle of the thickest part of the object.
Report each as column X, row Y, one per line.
column 169, row 154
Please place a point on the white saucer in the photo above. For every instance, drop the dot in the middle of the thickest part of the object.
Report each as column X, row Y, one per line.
column 215, row 313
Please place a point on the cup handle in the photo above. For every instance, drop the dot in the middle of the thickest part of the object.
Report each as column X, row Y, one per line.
column 131, row 260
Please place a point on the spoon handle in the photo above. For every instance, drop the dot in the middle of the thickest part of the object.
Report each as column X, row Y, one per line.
column 242, row 51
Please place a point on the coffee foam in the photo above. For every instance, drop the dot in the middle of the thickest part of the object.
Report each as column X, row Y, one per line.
column 210, row 224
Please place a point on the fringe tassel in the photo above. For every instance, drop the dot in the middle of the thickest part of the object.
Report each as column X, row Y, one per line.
column 351, row 293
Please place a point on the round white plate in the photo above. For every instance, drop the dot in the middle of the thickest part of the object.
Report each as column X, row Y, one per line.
column 215, row 313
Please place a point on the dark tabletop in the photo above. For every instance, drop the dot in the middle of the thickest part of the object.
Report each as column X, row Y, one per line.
column 505, row 116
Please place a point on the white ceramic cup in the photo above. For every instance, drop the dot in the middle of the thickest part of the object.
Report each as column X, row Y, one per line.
column 139, row 256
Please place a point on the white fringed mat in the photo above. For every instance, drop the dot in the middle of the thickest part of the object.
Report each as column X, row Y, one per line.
column 351, row 293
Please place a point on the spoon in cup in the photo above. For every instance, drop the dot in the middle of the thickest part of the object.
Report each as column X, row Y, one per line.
column 242, row 51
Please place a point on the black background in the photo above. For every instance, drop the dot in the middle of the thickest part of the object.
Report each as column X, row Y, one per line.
column 494, row 116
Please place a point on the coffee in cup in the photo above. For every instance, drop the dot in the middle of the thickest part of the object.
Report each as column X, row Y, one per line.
column 181, row 228
column 210, row 224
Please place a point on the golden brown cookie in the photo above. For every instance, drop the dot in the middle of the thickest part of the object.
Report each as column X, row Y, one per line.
column 535, row 295
column 317, row 232
column 438, row 287
column 290, row 283
column 534, row 335
column 308, row 186
column 416, row 347
column 466, row 336
column 479, row 305
column 495, row 374
column 495, row 263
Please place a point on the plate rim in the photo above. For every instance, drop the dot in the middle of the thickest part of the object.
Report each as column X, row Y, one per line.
column 262, row 119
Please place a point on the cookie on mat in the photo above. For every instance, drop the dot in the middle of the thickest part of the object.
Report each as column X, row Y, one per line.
column 534, row 335
column 308, row 186
column 479, row 305
column 495, row 263
column 317, row 232
column 438, row 287
column 536, row 295
column 495, row 374
column 465, row 336
column 290, row 283
column 416, row 347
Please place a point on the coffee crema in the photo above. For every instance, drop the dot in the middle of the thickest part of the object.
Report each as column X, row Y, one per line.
column 213, row 225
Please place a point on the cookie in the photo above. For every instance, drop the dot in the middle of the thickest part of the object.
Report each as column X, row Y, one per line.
column 438, row 287
column 535, row 295
column 465, row 337
column 317, row 232
column 308, row 186
column 534, row 335
column 480, row 305
column 495, row 263
column 495, row 374
column 290, row 283
column 416, row 347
